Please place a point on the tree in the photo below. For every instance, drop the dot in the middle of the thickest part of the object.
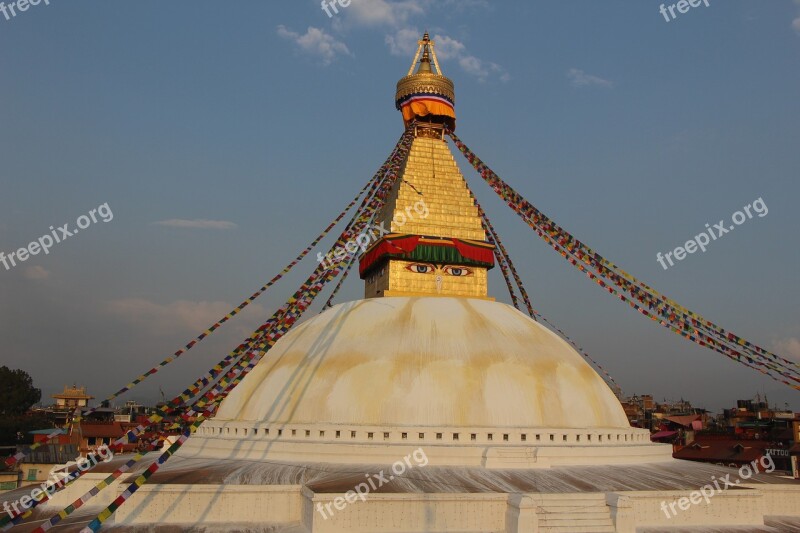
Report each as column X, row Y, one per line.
column 17, row 393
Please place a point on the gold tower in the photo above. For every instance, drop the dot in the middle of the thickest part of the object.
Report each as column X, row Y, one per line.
column 436, row 245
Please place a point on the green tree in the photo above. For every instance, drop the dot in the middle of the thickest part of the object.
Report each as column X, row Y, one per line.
column 17, row 393
column 15, row 426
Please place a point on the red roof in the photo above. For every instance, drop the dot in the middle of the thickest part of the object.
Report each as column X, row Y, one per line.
column 663, row 435
column 722, row 451
column 684, row 420
column 114, row 430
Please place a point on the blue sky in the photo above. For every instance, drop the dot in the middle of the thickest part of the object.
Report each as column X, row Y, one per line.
column 264, row 118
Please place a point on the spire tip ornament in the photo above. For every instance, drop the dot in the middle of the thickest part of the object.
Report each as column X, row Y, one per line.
column 426, row 95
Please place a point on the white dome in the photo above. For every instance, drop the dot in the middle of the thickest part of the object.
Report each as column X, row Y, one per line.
column 424, row 361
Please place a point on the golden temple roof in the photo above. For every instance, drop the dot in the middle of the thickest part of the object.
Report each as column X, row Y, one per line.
column 74, row 392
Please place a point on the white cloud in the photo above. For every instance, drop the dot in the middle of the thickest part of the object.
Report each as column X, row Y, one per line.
column 404, row 42
column 383, row 12
column 397, row 15
column 464, row 5
column 198, row 223
column 579, row 78
column 788, row 348
column 36, row 273
column 316, row 42
column 796, row 22
column 447, row 47
column 164, row 319
column 483, row 69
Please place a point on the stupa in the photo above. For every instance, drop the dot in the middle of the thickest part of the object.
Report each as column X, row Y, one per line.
column 427, row 358
column 496, row 423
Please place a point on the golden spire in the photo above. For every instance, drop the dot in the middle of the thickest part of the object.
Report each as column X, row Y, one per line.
column 431, row 241
column 425, row 63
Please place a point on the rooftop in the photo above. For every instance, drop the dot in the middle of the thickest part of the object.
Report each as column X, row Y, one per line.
column 74, row 392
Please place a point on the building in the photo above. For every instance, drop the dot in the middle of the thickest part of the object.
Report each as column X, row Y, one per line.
column 644, row 411
column 755, row 419
column 67, row 404
column 718, row 449
column 496, row 423
column 38, row 464
column 72, row 398
column 91, row 435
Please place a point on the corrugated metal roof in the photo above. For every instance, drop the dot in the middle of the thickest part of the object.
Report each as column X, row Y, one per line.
column 683, row 420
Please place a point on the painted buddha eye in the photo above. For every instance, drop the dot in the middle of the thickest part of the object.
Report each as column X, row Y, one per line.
column 421, row 268
column 457, row 271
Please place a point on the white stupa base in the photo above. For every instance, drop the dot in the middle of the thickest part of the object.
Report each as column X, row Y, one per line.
column 296, row 509
column 206, row 496
column 443, row 446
